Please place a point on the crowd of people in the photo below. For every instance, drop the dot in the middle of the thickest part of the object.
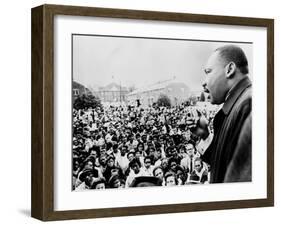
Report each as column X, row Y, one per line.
column 126, row 146
column 114, row 147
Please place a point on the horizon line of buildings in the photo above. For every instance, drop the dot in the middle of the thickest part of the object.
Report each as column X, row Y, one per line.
column 114, row 93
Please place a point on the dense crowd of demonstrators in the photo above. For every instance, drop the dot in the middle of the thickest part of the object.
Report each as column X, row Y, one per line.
column 115, row 145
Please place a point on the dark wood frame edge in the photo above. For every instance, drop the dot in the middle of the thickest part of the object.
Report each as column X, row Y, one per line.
column 42, row 197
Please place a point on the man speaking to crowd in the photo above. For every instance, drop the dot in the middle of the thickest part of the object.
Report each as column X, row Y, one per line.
column 227, row 83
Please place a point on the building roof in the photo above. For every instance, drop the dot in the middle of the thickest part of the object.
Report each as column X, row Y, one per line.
column 113, row 87
column 76, row 85
column 157, row 86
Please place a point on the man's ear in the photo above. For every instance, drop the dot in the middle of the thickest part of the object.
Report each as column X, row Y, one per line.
column 230, row 69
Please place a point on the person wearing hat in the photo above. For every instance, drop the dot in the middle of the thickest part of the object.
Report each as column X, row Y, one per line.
column 146, row 181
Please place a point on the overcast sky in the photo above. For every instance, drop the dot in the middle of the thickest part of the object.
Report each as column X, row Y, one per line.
column 98, row 60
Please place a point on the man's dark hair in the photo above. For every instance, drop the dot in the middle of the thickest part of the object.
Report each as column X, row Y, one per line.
column 172, row 160
column 135, row 161
column 100, row 180
column 156, row 168
column 169, row 174
column 192, row 143
column 235, row 54
column 147, row 157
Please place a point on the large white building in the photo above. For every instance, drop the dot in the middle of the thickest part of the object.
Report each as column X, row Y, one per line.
column 111, row 93
column 178, row 92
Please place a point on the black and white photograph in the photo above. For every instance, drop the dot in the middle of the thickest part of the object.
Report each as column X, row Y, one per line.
column 164, row 112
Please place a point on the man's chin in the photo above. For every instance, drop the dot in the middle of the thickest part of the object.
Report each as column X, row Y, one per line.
column 214, row 101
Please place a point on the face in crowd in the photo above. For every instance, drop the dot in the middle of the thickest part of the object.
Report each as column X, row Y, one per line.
column 147, row 162
column 130, row 156
column 171, row 180
column 123, row 151
column 103, row 160
column 100, row 186
column 198, row 165
column 89, row 165
column 173, row 166
column 164, row 163
column 110, row 163
column 140, row 147
column 190, row 150
column 181, row 176
column 159, row 173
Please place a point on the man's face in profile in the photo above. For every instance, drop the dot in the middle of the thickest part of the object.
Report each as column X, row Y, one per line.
column 215, row 82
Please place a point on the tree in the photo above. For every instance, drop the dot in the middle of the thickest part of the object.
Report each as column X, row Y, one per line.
column 163, row 101
column 186, row 103
column 86, row 101
column 192, row 100
column 202, row 97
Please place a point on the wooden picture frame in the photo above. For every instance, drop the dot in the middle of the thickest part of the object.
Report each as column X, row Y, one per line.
column 42, row 203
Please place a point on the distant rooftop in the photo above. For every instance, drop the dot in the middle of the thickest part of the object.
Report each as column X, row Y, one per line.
column 156, row 86
column 113, row 87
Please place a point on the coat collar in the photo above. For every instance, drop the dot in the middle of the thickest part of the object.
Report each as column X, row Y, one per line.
column 234, row 93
